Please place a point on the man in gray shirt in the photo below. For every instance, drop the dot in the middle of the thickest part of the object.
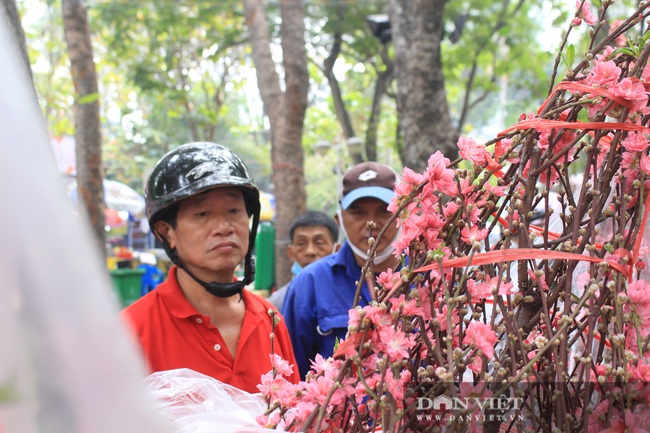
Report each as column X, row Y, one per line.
column 313, row 235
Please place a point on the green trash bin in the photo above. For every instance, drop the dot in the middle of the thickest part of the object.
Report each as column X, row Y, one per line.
column 127, row 284
column 265, row 256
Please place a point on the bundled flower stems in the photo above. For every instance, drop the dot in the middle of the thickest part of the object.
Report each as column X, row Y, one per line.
column 523, row 299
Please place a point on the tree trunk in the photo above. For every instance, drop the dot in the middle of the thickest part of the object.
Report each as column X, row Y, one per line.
column 286, row 111
column 342, row 114
column 90, row 173
column 421, row 98
column 384, row 78
column 11, row 18
column 339, row 106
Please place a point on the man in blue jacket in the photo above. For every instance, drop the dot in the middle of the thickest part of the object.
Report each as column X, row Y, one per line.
column 319, row 298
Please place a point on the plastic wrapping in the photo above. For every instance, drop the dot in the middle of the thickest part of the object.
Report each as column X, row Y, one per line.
column 67, row 363
column 201, row 404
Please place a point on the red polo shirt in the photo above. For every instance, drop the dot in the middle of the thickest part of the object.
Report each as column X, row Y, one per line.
column 174, row 335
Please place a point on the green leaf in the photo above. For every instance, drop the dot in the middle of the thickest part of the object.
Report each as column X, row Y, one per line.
column 569, row 56
column 642, row 41
column 609, row 248
column 88, row 99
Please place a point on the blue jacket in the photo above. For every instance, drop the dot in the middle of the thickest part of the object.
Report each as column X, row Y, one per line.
column 317, row 304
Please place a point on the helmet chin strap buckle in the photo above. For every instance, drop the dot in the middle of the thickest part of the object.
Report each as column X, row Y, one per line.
column 223, row 290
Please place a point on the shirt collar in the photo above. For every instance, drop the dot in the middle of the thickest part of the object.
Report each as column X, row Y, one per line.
column 345, row 259
column 181, row 307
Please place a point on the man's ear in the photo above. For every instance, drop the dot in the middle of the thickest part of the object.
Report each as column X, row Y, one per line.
column 336, row 218
column 162, row 231
column 290, row 253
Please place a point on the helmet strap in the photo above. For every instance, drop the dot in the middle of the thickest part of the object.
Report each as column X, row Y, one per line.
column 221, row 290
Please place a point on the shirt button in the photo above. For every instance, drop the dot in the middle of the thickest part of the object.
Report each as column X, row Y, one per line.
column 199, row 320
column 217, row 347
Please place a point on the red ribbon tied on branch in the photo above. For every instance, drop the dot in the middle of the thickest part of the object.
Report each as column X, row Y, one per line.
column 498, row 256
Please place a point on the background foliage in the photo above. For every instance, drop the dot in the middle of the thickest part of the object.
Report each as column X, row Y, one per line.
column 172, row 72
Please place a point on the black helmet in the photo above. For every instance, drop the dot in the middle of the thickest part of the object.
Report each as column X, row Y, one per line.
column 189, row 170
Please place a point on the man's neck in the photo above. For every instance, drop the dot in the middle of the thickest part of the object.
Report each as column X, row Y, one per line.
column 204, row 302
column 226, row 314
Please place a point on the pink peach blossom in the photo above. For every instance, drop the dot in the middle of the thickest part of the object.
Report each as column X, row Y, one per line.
column 620, row 40
column 633, row 91
column 481, row 336
column 473, row 234
column 584, row 12
column 635, row 142
column 471, row 151
column 440, row 176
column 395, row 343
column 282, row 366
column 604, row 74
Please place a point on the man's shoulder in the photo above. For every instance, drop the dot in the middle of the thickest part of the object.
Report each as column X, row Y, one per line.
column 313, row 279
column 257, row 303
column 324, row 264
column 145, row 303
column 277, row 297
column 145, row 307
column 144, row 313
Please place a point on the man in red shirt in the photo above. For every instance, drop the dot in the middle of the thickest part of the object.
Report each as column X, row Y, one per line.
column 199, row 201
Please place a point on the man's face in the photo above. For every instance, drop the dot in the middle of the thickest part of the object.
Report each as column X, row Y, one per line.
column 310, row 244
column 355, row 221
column 211, row 234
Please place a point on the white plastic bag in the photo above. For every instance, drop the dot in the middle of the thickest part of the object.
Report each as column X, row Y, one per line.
column 197, row 403
column 67, row 363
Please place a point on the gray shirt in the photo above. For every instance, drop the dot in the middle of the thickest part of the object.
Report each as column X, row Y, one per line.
column 277, row 298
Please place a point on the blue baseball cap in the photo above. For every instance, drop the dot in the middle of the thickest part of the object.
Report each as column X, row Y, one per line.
column 368, row 179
